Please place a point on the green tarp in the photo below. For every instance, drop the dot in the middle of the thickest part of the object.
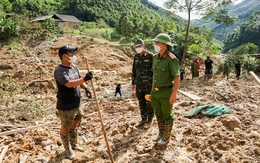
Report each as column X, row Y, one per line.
column 209, row 111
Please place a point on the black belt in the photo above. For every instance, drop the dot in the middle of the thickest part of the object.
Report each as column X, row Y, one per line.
column 162, row 88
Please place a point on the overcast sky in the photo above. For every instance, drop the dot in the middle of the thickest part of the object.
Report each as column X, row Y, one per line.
column 183, row 15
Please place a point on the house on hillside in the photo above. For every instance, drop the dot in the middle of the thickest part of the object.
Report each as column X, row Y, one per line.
column 61, row 20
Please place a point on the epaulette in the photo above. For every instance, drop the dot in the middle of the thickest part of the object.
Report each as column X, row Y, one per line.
column 172, row 56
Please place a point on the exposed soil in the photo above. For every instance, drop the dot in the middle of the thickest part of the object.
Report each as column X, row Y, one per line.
column 28, row 98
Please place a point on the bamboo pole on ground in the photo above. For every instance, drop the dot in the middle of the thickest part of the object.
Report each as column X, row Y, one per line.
column 100, row 116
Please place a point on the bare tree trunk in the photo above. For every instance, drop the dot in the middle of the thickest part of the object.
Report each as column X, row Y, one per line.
column 186, row 40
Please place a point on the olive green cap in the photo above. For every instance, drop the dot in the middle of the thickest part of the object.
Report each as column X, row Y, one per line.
column 163, row 38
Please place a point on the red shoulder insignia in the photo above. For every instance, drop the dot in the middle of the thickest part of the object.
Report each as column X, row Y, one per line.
column 172, row 56
column 164, row 56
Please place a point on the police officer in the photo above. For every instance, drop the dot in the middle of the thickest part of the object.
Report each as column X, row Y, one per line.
column 142, row 81
column 166, row 81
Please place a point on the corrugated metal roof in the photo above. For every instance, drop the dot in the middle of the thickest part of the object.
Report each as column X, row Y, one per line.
column 59, row 18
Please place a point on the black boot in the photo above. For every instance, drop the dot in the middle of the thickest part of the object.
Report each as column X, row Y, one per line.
column 142, row 122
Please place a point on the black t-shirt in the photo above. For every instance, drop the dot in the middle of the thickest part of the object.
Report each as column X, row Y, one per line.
column 208, row 63
column 238, row 66
column 68, row 98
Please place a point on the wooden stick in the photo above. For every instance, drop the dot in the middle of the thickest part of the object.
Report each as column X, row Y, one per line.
column 22, row 129
column 255, row 77
column 100, row 116
column 3, row 153
column 4, row 125
column 192, row 96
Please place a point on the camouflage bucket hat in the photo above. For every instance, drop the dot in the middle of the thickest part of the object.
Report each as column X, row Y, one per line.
column 163, row 38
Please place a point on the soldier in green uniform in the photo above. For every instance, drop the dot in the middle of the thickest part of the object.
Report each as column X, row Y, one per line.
column 166, row 81
column 142, row 81
column 226, row 69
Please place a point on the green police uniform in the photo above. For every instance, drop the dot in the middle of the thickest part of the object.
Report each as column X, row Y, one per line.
column 165, row 68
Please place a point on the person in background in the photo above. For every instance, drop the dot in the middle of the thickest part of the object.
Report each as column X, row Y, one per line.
column 195, row 67
column 238, row 69
column 226, row 69
column 182, row 73
column 208, row 70
column 118, row 90
column 142, row 81
column 68, row 82
column 166, row 81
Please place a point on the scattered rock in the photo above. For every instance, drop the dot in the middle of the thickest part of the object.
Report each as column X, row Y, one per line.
column 230, row 121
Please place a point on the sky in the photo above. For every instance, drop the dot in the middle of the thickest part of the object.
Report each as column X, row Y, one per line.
column 183, row 15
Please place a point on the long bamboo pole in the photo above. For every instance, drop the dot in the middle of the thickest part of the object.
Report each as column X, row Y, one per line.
column 100, row 116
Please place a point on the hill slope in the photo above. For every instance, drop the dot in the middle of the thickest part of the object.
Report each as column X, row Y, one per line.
column 242, row 10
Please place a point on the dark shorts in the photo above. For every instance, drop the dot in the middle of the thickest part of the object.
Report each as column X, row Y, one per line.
column 68, row 116
column 208, row 71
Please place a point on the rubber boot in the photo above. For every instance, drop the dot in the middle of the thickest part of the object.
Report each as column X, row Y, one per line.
column 160, row 122
column 167, row 133
column 74, row 140
column 66, row 143
column 142, row 122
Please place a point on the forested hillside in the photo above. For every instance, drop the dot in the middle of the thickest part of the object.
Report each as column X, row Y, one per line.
column 113, row 19
column 242, row 11
column 138, row 17
column 248, row 32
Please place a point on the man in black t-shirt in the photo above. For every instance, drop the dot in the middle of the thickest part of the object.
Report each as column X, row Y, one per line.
column 68, row 82
column 208, row 69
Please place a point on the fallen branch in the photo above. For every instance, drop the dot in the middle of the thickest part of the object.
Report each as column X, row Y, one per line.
column 23, row 129
column 222, row 96
column 192, row 96
column 3, row 153
column 4, row 125
column 255, row 77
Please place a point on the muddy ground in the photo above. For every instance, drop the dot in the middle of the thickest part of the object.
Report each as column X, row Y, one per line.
column 28, row 99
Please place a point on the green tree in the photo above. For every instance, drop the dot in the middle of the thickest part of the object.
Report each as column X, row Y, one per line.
column 5, row 6
column 200, row 7
column 8, row 28
column 248, row 32
column 251, row 63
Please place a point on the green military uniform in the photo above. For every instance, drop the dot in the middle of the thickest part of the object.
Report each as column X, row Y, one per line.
column 165, row 68
column 142, row 78
column 226, row 69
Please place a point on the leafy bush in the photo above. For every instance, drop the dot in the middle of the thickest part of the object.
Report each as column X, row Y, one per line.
column 50, row 25
column 8, row 28
column 250, row 64
column 248, row 48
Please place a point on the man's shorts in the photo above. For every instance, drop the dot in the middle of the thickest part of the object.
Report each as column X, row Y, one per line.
column 208, row 71
column 68, row 116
